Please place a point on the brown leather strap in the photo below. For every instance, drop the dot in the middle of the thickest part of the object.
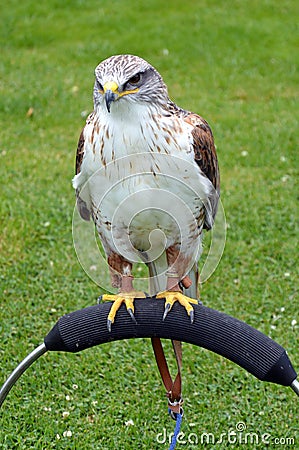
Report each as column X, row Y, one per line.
column 173, row 388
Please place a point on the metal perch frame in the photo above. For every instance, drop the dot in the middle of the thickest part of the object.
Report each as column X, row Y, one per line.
column 212, row 330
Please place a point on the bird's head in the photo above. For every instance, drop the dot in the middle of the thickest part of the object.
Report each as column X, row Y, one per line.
column 127, row 78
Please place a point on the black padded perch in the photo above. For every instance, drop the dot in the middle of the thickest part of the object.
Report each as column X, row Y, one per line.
column 211, row 329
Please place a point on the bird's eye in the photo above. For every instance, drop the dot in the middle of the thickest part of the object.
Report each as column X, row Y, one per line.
column 135, row 79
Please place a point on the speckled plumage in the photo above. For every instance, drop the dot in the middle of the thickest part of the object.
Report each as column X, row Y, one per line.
column 140, row 150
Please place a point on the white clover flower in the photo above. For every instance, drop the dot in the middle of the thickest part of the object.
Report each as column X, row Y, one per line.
column 129, row 423
column 67, row 433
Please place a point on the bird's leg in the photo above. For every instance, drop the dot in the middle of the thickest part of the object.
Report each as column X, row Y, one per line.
column 174, row 294
column 122, row 278
column 173, row 291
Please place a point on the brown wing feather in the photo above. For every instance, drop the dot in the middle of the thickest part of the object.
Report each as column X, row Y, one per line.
column 206, row 158
column 81, row 205
column 80, row 152
column 81, row 143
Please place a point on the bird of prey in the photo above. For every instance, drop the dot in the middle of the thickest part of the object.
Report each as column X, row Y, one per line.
column 144, row 164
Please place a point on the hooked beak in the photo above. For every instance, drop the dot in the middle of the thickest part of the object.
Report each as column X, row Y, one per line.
column 109, row 98
column 111, row 93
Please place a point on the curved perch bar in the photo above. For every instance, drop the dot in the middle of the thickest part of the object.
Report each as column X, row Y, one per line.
column 211, row 329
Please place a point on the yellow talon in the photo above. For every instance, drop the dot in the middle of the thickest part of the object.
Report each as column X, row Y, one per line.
column 123, row 297
column 176, row 296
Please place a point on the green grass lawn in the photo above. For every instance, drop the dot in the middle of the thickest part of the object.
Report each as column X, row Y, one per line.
column 234, row 63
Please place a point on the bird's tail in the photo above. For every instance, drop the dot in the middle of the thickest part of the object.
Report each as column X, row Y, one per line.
column 157, row 274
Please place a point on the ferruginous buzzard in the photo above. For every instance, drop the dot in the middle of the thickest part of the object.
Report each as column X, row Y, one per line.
column 145, row 164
